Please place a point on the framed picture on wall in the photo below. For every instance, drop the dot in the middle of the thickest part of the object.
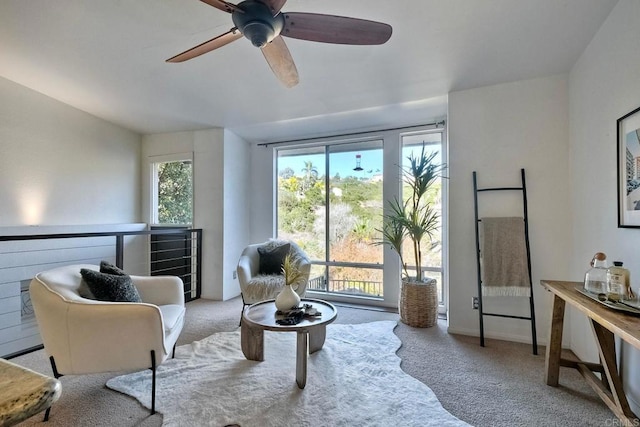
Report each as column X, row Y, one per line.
column 629, row 170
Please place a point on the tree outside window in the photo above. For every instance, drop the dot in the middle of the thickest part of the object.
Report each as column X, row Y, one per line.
column 175, row 192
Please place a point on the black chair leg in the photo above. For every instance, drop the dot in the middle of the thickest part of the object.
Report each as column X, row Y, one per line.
column 244, row 305
column 153, row 382
column 54, row 368
column 173, row 356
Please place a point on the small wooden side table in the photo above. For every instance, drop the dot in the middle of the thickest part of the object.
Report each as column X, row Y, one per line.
column 311, row 332
column 24, row 393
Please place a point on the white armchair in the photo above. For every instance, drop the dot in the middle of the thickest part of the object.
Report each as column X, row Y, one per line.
column 256, row 287
column 84, row 336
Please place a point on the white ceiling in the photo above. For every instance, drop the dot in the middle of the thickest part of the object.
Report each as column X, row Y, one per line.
column 107, row 57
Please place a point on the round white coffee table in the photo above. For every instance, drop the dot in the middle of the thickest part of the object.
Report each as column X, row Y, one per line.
column 311, row 331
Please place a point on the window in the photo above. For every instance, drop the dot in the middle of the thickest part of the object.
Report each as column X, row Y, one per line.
column 432, row 260
column 172, row 190
column 331, row 198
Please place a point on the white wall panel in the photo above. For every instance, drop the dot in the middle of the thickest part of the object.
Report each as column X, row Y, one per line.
column 604, row 85
column 237, row 195
column 61, row 166
column 496, row 131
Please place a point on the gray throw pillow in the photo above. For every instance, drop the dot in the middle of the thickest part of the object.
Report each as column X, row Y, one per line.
column 108, row 268
column 110, row 287
column 84, row 291
column 271, row 259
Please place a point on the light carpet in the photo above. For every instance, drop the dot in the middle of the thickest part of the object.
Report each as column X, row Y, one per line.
column 355, row 380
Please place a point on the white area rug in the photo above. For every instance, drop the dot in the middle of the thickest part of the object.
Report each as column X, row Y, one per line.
column 355, row 380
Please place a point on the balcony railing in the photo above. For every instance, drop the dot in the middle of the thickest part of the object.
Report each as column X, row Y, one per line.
column 365, row 288
column 344, row 286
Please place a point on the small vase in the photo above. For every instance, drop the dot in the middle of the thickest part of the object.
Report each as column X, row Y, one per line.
column 287, row 299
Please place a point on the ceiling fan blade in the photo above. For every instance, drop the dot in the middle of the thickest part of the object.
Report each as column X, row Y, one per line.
column 274, row 5
column 207, row 46
column 279, row 58
column 222, row 5
column 335, row 29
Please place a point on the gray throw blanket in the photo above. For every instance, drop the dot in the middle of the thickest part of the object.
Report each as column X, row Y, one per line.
column 504, row 257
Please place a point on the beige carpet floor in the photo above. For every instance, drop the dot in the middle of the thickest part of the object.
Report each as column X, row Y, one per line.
column 499, row 385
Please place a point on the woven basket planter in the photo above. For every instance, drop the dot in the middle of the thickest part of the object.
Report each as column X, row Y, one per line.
column 418, row 303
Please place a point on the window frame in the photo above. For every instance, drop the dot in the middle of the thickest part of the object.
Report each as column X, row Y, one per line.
column 443, row 270
column 153, row 162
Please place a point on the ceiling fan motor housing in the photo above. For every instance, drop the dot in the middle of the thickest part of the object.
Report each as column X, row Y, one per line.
column 257, row 23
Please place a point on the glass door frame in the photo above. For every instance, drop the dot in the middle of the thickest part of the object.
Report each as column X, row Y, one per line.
column 392, row 188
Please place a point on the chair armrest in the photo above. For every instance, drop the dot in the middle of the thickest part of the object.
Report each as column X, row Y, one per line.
column 106, row 336
column 160, row 290
column 244, row 270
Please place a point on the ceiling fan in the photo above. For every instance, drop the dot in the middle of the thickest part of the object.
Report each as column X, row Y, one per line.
column 262, row 22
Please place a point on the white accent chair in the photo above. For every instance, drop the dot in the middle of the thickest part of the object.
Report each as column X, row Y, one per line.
column 85, row 336
column 255, row 287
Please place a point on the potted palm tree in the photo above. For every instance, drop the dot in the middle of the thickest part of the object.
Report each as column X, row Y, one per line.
column 416, row 220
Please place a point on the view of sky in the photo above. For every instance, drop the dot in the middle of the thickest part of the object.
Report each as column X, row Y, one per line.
column 341, row 163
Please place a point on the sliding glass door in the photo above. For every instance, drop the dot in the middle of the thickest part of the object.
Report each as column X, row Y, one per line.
column 330, row 202
column 332, row 195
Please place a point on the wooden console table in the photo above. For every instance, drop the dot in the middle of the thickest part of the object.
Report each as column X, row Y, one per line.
column 605, row 324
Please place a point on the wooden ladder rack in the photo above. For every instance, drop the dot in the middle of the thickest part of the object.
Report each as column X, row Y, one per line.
column 481, row 314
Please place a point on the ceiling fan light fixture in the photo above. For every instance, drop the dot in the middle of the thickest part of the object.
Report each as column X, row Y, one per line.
column 258, row 33
column 257, row 22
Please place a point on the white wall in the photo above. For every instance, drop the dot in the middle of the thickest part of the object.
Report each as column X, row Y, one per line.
column 604, row 85
column 262, row 183
column 221, row 170
column 237, row 208
column 61, row 166
column 61, row 170
column 496, row 131
column 208, row 207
